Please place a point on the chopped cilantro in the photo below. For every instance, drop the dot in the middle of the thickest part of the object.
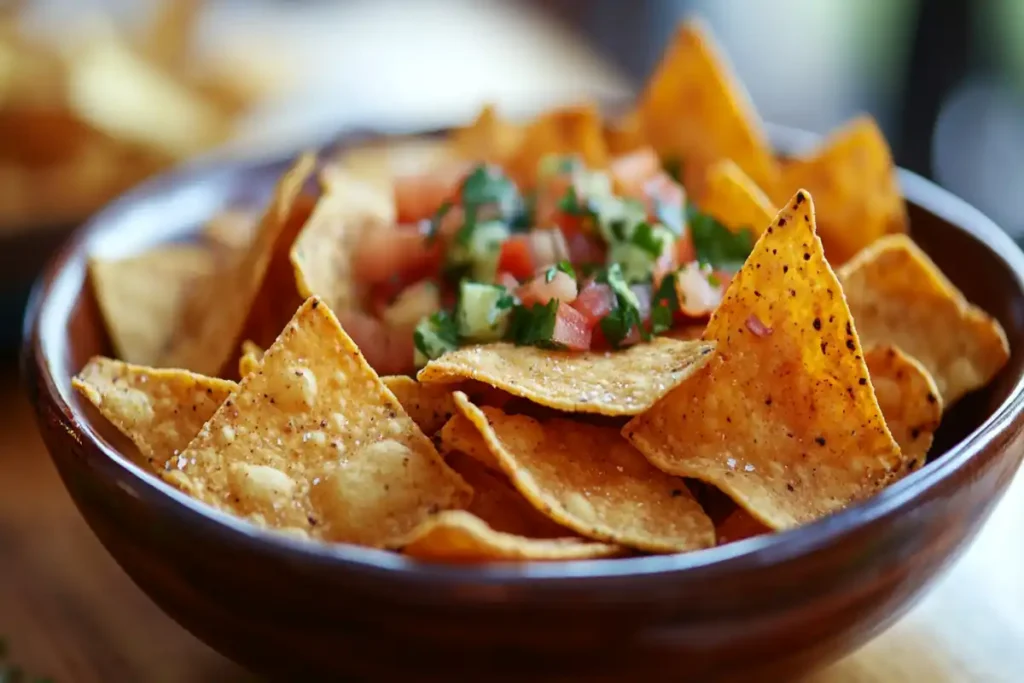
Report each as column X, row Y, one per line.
column 563, row 266
column 571, row 205
column 664, row 303
column 437, row 219
column 486, row 186
column 436, row 335
column 717, row 245
column 621, row 320
column 648, row 238
column 533, row 325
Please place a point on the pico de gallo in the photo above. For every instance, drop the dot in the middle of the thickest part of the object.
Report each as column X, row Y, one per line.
column 582, row 259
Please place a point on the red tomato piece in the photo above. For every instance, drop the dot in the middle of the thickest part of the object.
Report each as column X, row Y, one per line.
column 539, row 291
column 571, row 329
column 516, row 257
column 389, row 351
column 685, row 251
column 630, row 171
column 401, row 252
column 583, row 249
column 420, row 196
column 506, row 280
column 595, row 301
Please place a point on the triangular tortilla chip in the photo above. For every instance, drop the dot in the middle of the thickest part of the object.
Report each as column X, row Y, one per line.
column 211, row 333
column 589, row 479
column 314, row 443
column 608, row 383
column 732, row 198
column 249, row 361
column 159, row 410
column 429, row 405
column 458, row 435
column 739, row 525
column 910, row 401
column 489, row 138
column 141, row 296
column 695, row 111
column 232, row 230
column 898, row 296
column 575, row 130
column 456, row 536
column 783, row 418
column 853, row 180
column 625, row 134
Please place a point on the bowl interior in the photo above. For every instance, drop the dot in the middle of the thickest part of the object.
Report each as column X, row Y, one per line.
column 66, row 326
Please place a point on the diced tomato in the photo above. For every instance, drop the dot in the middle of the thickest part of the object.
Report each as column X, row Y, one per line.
column 389, row 351
column 506, row 280
column 539, row 291
column 685, row 252
column 546, row 209
column 419, row 196
column 630, row 171
column 583, row 249
column 595, row 301
column 571, row 329
column 516, row 257
column 400, row 251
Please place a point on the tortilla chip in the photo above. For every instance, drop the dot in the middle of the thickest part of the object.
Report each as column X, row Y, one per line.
column 783, row 418
column 689, row 332
column 141, row 296
column 429, row 405
column 624, row 382
column 458, row 435
column 216, row 318
column 458, row 536
column 898, row 296
column 159, row 410
column 731, row 197
column 739, row 525
column 910, row 401
column 589, row 479
column 497, row 503
column 321, row 257
column 167, row 40
column 624, row 135
column 854, row 184
column 694, row 110
column 567, row 131
column 252, row 356
column 232, row 230
column 489, row 138
column 314, row 442
column 379, row 162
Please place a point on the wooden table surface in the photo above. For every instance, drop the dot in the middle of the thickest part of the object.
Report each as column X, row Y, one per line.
column 67, row 610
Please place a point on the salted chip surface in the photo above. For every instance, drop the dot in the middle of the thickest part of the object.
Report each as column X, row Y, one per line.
column 313, row 442
column 898, row 296
column 141, row 296
column 783, row 418
column 730, row 196
column 429, row 405
column 160, row 410
column 854, row 184
column 498, row 503
column 589, row 479
column 911, row 403
column 219, row 313
column 623, row 382
column 457, row 536
column 696, row 111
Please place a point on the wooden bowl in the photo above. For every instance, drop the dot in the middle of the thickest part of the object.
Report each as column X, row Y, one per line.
column 756, row 610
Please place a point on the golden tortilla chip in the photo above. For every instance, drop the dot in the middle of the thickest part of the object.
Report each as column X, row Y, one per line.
column 734, row 200
column 898, row 296
column 252, row 356
column 589, row 479
column 232, row 230
column 910, row 401
column 624, row 135
column 458, row 536
column 573, row 130
column 208, row 342
column 739, row 525
column 321, row 257
column 853, row 181
column 429, row 405
column 458, row 435
column 489, row 138
column 695, row 111
column 783, row 418
column 496, row 501
column 623, row 382
column 314, row 443
column 159, row 410
column 141, row 296
column 167, row 40
column 378, row 163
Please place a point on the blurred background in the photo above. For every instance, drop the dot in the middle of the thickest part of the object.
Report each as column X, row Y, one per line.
column 96, row 95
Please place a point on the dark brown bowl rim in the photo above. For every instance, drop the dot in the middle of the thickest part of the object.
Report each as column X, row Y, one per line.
column 44, row 323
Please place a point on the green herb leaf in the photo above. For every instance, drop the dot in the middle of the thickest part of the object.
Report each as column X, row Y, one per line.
column 648, row 238
column 486, row 186
column 664, row 303
column 533, row 325
column 621, row 320
column 717, row 245
column 437, row 219
column 436, row 334
column 563, row 266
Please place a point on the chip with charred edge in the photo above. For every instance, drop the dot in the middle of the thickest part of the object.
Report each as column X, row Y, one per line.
column 899, row 296
column 695, row 110
column 911, row 403
column 783, row 418
column 570, row 131
column 588, row 478
column 141, row 296
column 212, row 339
column 456, row 536
column 731, row 197
column 322, row 255
column 619, row 383
column 429, row 405
column 853, row 181
column 159, row 410
column 497, row 502
column 739, row 525
column 313, row 442
column 489, row 138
